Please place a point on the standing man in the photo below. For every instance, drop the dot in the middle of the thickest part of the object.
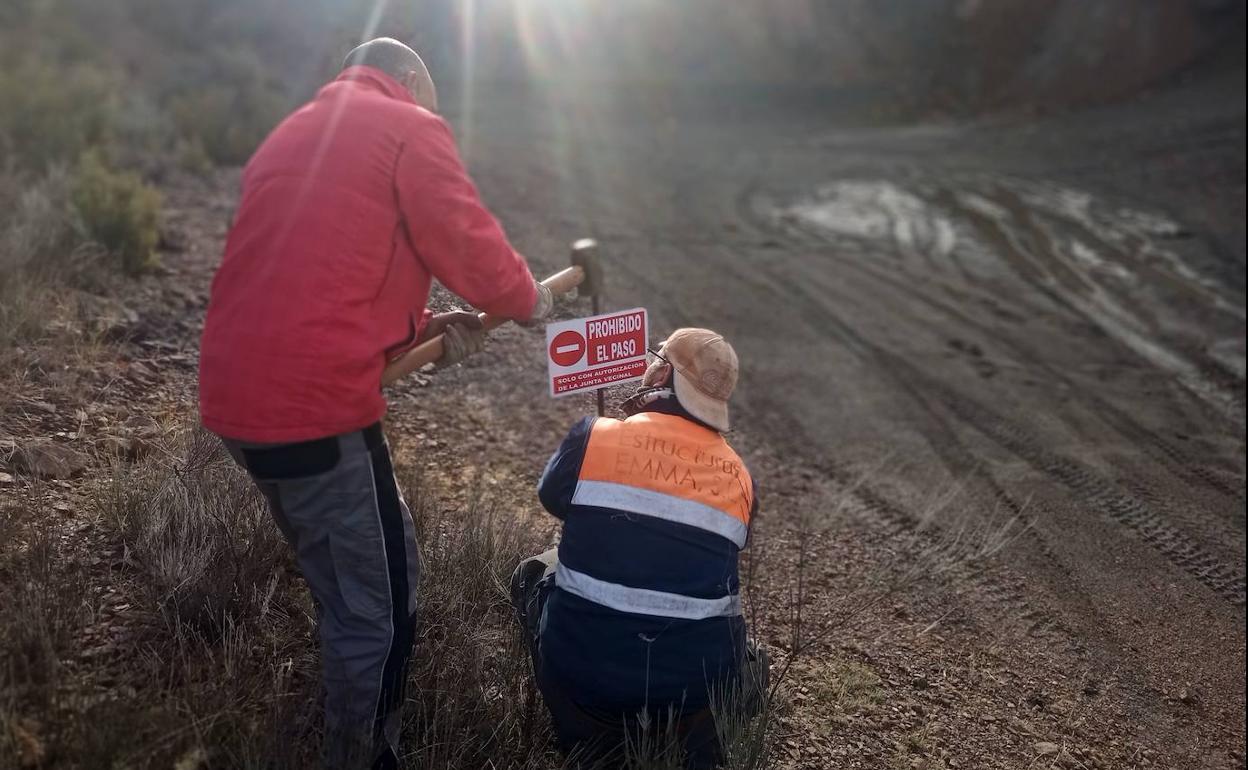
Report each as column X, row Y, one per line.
column 634, row 622
column 349, row 209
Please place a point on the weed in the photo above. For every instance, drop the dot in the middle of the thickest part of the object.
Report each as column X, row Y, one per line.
column 118, row 211
column 54, row 113
column 43, row 600
column 230, row 115
column 470, row 668
column 850, row 686
column 216, row 662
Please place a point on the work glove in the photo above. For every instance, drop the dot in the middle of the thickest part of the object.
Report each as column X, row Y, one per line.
column 462, row 335
column 459, row 342
column 541, row 307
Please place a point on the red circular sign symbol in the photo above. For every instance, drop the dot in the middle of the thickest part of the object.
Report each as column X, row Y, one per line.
column 567, row 348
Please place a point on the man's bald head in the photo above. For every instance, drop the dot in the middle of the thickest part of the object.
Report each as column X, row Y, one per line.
column 399, row 62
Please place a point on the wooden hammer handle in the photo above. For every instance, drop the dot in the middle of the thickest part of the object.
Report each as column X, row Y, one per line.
column 431, row 350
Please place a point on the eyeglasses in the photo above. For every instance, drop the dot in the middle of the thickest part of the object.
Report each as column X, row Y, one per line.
column 656, row 355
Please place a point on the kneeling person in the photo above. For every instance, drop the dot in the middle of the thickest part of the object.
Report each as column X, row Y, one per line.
column 638, row 611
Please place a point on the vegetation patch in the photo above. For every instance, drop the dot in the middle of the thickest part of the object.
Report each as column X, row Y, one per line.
column 119, row 212
column 181, row 635
column 849, row 686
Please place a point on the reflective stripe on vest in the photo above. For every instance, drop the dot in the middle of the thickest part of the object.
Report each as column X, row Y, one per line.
column 622, row 497
column 643, row 601
column 672, row 468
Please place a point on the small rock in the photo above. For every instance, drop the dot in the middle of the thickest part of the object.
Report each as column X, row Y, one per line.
column 62, row 327
column 141, row 371
column 107, row 317
column 142, row 425
column 6, row 478
column 1046, row 749
column 125, row 448
column 1021, row 726
column 47, row 460
column 172, row 240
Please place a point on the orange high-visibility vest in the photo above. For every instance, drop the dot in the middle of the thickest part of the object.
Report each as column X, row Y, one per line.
column 647, row 606
column 668, row 467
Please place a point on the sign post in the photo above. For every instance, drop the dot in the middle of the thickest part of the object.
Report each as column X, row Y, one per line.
column 593, row 353
column 600, row 395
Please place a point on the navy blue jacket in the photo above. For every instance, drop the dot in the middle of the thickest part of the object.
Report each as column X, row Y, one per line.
column 607, row 658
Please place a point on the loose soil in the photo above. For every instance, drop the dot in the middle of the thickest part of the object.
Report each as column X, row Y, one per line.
column 992, row 391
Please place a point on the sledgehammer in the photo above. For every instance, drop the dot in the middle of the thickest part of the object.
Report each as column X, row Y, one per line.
column 585, row 273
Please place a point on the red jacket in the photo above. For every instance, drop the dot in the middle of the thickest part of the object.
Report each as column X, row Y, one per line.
column 349, row 209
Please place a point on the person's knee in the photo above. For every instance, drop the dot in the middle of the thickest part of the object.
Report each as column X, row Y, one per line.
column 517, row 586
column 529, row 573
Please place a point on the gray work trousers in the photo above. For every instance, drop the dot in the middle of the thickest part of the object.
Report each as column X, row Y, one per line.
column 338, row 504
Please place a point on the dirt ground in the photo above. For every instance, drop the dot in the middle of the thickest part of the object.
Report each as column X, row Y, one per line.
column 992, row 391
column 1035, row 324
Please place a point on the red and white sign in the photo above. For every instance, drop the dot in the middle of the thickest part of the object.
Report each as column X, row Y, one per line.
column 592, row 353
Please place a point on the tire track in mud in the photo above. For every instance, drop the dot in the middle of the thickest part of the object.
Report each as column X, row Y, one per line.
column 1224, row 579
column 1100, row 494
column 1104, row 264
column 1002, row 601
column 1008, row 605
column 1032, row 248
column 1180, row 464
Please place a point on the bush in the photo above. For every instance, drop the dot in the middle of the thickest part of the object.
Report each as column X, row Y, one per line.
column 232, row 115
column 53, row 114
column 44, row 597
column 206, row 541
column 470, row 702
column 40, row 245
column 214, row 663
column 38, row 228
column 144, row 137
column 118, row 211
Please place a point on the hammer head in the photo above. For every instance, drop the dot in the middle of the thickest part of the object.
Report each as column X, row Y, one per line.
column 585, row 255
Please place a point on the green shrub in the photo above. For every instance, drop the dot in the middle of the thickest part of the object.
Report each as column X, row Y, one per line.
column 118, row 211
column 228, row 121
column 38, row 245
column 144, row 138
column 52, row 113
column 192, row 157
column 233, row 113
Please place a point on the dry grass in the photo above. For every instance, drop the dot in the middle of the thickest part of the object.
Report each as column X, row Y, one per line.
column 211, row 561
column 55, row 280
column 191, row 643
column 42, row 599
column 468, row 697
column 849, row 686
column 177, row 632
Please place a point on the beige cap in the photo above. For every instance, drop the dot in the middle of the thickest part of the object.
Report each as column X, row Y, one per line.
column 706, row 373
